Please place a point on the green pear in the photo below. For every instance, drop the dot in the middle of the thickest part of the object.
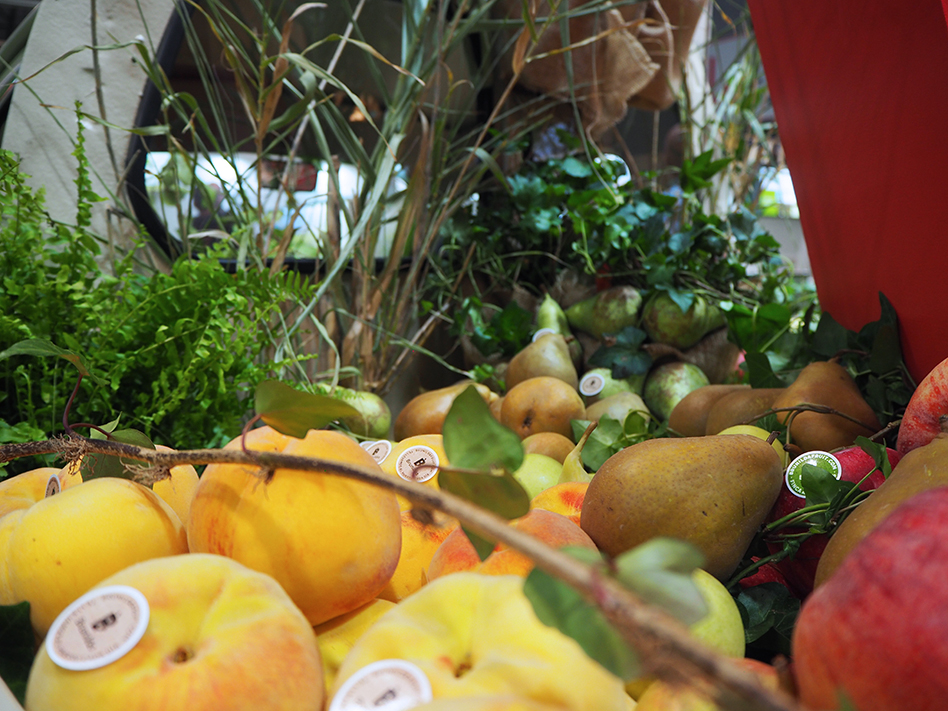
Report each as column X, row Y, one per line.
column 713, row 491
column 538, row 473
column 551, row 318
column 608, row 311
column 665, row 322
column 375, row 417
column 598, row 384
column 618, row 407
column 548, row 355
column 666, row 385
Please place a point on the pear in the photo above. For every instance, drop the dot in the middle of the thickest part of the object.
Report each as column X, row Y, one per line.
column 551, row 318
column 609, row 311
column 667, row 384
column 665, row 322
column 712, row 491
column 598, row 383
column 552, row 444
column 689, row 418
column 375, row 417
column 826, row 383
column 618, row 407
column 425, row 413
column 537, row 473
column 548, row 355
column 542, row 404
column 740, row 407
column 923, row 468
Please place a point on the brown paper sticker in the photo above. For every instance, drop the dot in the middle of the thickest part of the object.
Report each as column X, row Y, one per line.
column 418, row 463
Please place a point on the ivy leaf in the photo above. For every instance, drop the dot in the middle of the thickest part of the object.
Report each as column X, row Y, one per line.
column 43, row 347
column 878, row 451
column 16, row 647
column 558, row 605
column 760, row 372
column 624, row 357
column 769, row 613
column 293, row 412
column 821, row 487
column 659, row 571
column 830, row 337
column 96, row 466
column 474, row 439
column 886, row 353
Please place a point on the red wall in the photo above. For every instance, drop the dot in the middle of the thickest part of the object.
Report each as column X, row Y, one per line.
column 860, row 93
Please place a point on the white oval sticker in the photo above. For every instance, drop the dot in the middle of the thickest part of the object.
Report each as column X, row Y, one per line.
column 387, row 685
column 379, row 450
column 542, row 332
column 101, row 626
column 53, row 486
column 824, row 460
column 418, row 463
column 592, row 384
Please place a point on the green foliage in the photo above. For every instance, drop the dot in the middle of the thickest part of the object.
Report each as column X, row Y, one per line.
column 178, row 354
column 16, row 647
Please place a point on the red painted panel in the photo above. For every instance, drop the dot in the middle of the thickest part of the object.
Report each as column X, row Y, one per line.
column 860, row 94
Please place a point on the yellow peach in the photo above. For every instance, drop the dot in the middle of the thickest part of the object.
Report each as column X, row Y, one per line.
column 420, row 541
column 178, row 489
column 218, row 636
column 63, row 545
column 23, row 490
column 336, row 636
column 332, row 542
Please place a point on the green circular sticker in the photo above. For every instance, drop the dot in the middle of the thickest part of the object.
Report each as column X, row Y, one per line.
column 823, row 460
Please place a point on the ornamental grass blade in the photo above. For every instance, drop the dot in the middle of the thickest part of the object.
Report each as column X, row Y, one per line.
column 558, row 605
column 293, row 412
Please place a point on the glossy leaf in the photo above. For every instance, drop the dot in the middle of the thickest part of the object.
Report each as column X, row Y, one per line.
column 293, row 412
column 760, row 371
column 659, row 571
column 16, row 647
column 878, row 451
column 558, row 605
column 96, row 466
column 44, row 348
column 474, row 439
column 769, row 613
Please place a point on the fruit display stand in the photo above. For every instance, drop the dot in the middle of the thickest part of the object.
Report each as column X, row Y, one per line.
column 861, row 106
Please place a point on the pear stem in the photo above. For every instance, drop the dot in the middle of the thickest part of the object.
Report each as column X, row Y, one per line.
column 808, row 407
column 664, row 645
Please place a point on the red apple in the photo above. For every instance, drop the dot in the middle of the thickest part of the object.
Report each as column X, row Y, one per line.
column 800, row 570
column 928, row 404
column 767, row 573
column 877, row 629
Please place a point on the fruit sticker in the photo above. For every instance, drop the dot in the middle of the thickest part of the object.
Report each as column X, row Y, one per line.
column 379, row 449
column 387, row 685
column 591, row 384
column 823, row 460
column 53, row 486
column 418, row 463
column 101, row 626
column 542, row 332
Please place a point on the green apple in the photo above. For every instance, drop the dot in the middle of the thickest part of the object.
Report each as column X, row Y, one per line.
column 760, row 433
column 538, row 473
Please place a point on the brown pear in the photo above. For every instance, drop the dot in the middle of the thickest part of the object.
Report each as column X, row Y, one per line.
column 740, row 407
column 552, row 444
column 712, row 491
column 543, row 404
column 689, row 418
column 425, row 413
column 548, row 355
column 923, row 468
column 829, row 384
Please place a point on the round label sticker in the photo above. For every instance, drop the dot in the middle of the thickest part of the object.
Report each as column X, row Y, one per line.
column 388, row 685
column 542, row 332
column 101, row 626
column 379, row 450
column 823, row 460
column 418, row 463
column 53, row 486
column 592, row 384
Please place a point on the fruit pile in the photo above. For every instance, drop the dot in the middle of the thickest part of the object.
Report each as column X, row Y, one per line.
column 281, row 588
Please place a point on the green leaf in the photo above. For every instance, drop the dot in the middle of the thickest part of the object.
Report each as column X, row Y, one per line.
column 830, row 337
column 16, row 647
column 622, row 360
column 878, row 451
column 294, row 413
column 43, row 347
column 659, row 571
column 768, row 609
column 886, row 352
column 96, row 466
column 474, row 439
column 760, row 371
column 558, row 605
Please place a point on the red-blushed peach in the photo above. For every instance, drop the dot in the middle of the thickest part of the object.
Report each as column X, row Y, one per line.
column 564, row 498
column 178, row 489
column 62, row 545
column 218, row 636
column 662, row 696
column 457, row 552
column 332, row 542
column 420, row 541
